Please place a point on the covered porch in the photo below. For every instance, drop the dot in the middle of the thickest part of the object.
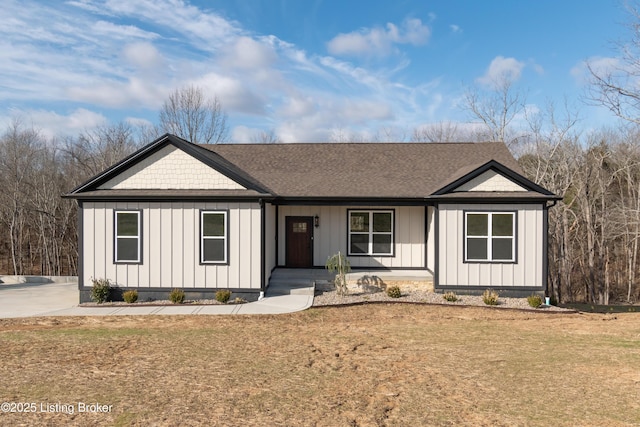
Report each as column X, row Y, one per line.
column 306, row 280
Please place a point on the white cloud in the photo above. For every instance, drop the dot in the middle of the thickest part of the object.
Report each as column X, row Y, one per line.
column 123, row 32
column 379, row 41
column 143, row 55
column 51, row 124
column 248, row 53
column 601, row 65
column 501, row 69
column 455, row 28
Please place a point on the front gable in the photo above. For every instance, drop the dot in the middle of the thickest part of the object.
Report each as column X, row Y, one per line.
column 170, row 168
column 168, row 164
column 490, row 180
column 492, row 177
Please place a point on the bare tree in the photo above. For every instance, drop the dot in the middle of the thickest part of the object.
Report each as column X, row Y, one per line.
column 496, row 108
column 444, row 132
column 19, row 148
column 95, row 150
column 266, row 137
column 190, row 115
column 614, row 82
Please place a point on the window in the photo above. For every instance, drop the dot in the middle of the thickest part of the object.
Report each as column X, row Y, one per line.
column 490, row 236
column 127, row 236
column 370, row 232
column 213, row 237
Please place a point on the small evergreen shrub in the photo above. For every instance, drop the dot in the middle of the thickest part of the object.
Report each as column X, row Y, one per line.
column 450, row 296
column 490, row 297
column 223, row 296
column 176, row 296
column 239, row 300
column 394, row 292
column 130, row 296
column 101, row 290
column 534, row 300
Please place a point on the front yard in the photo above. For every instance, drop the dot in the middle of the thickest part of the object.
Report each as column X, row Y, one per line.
column 387, row 364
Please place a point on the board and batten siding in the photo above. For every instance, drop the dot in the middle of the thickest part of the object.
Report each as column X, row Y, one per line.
column 171, row 246
column 331, row 236
column 527, row 271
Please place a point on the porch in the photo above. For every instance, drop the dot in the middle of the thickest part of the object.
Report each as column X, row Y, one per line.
column 304, row 281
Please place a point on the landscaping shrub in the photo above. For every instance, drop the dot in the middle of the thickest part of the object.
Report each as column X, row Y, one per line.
column 340, row 264
column 450, row 296
column 534, row 300
column 176, row 296
column 490, row 297
column 130, row 296
column 223, row 296
column 394, row 292
column 101, row 290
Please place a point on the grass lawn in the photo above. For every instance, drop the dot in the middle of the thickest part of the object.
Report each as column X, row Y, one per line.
column 392, row 364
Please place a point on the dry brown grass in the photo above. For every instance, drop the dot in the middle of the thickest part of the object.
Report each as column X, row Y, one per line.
column 393, row 364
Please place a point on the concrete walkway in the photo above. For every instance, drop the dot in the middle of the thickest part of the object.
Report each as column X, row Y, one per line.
column 287, row 293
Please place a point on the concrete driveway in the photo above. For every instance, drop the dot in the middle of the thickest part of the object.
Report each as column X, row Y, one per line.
column 34, row 299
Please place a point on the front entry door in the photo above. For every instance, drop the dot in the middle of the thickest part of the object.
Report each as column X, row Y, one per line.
column 299, row 241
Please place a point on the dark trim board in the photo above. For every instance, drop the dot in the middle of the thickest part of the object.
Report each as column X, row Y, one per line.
column 356, row 269
column 162, row 294
column 349, row 201
column 263, row 222
column 80, row 245
column 436, row 254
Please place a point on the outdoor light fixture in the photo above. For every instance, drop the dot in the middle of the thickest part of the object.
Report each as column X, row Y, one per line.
column 316, row 221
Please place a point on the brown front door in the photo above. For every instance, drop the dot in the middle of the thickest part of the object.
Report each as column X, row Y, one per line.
column 299, row 241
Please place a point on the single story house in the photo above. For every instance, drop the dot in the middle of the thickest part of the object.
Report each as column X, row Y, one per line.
column 208, row 217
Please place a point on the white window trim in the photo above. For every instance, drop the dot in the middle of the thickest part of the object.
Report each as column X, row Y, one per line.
column 371, row 233
column 116, row 236
column 490, row 236
column 224, row 237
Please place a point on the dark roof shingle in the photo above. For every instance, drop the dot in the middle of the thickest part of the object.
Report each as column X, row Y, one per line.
column 395, row 170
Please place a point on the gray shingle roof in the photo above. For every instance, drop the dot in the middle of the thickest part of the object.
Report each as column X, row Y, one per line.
column 395, row 170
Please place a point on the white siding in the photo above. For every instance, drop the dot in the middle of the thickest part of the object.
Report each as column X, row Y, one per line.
column 171, row 168
column 526, row 271
column 171, row 246
column 490, row 181
column 331, row 236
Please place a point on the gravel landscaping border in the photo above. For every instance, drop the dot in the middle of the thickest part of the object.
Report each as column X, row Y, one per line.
column 325, row 298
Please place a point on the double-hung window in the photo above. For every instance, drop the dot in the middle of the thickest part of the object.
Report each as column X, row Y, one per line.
column 213, row 237
column 127, row 231
column 490, row 236
column 370, row 232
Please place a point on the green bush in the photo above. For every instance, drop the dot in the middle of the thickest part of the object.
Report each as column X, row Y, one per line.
column 223, row 296
column 450, row 296
column 130, row 296
column 534, row 300
column 490, row 297
column 176, row 296
column 394, row 292
column 101, row 290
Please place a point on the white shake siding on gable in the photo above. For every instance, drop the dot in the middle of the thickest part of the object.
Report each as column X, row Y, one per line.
column 171, row 246
column 490, row 181
column 171, row 168
column 331, row 236
column 525, row 272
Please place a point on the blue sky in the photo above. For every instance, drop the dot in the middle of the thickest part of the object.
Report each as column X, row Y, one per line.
column 305, row 70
